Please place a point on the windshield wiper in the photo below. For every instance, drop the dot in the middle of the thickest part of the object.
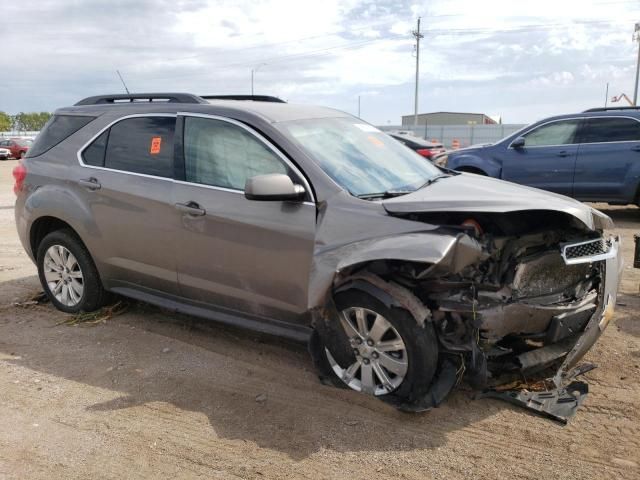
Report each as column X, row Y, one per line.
column 433, row 180
column 397, row 193
column 387, row 194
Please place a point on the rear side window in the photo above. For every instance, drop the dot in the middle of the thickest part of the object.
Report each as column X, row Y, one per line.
column 55, row 131
column 139, row 145
column 598, row 130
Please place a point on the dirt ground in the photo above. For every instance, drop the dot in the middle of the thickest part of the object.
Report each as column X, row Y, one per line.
column 154, row 395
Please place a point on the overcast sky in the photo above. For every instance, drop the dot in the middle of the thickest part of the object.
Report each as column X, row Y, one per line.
column 520, row 60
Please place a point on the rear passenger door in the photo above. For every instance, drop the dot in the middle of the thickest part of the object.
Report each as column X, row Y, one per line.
column 548, row 158
column 608, row 164
column 127, row 182
column 249, row 256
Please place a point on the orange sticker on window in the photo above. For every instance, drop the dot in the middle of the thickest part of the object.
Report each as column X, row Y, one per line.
column 156, row 142
column 376, row 141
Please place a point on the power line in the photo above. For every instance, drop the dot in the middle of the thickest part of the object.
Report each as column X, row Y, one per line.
column 295, row 56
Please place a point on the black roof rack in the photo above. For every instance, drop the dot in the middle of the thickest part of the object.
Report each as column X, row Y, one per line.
column 255, row 98
column 141, row 97
column 606, row 109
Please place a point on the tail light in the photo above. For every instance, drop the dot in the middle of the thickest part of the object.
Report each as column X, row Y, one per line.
column 19, row 174
column 425, row 152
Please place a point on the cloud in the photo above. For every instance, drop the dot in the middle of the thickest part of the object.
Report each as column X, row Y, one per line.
column 491, row 56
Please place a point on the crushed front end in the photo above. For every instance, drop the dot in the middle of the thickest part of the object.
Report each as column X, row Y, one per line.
column 523, row 316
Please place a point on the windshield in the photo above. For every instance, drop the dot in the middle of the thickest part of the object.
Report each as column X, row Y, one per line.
column 359, row 157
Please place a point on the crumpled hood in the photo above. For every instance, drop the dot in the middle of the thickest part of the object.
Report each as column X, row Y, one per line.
column 475, row 193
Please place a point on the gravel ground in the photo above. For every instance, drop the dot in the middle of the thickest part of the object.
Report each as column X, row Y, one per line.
column 149, row 394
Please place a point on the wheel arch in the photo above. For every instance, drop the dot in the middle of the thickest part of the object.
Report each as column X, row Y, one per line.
column 469, row 163
column 44, row 225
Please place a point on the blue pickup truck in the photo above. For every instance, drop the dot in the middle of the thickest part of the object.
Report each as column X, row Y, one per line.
column 591, row 156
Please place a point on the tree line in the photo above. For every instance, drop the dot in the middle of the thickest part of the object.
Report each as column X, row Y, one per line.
column 23, row 121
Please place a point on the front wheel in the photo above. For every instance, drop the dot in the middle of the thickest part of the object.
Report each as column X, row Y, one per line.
column 67, row 273
column 392, row 357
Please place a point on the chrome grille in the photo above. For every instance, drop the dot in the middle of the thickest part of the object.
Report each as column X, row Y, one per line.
column 596, row 247
column 589, row 251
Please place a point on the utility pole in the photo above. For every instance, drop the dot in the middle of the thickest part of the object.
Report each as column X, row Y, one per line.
column 636, row 37
column 416, row 33
column 606, row 95
column 358, row 106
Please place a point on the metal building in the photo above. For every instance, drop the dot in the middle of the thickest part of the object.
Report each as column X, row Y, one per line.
column 449, row 118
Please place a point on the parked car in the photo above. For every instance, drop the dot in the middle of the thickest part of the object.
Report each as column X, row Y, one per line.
column 308, row 223
column 17, row 146
column 590, row 156
column 419, row 145
column 4, row 153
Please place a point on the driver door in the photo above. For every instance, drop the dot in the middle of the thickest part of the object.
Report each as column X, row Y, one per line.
column 249, row 256
column 547, row 160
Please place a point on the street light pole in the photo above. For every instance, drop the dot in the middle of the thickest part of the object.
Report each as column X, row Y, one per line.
column 636, row 37
column 253, row 70
column 416, row 33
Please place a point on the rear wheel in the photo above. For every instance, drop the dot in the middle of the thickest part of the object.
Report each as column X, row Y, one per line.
column 392, row 357
column 67, row 273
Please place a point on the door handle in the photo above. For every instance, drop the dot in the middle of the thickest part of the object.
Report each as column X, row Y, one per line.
column 636, row 148
column 191, row 208
column 90, row 183
column 563, row 153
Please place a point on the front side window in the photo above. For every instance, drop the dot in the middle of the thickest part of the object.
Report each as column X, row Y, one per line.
column 600, row 130
column 359, row 157
column 556, row 133
column 139, row 145
column 222, row 154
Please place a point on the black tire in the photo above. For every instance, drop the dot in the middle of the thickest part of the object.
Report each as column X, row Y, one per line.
column 94, row 295
column 22, row 155
column 420, row 341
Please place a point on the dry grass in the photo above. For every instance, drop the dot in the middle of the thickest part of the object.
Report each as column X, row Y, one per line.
column 99, row 316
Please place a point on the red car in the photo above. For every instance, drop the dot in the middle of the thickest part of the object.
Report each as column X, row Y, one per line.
column 423, row 147
column 17, row 146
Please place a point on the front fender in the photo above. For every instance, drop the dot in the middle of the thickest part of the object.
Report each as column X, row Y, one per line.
column 440, row 250
column 488, row 165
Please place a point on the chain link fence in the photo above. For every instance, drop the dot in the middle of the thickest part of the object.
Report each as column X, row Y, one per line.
column 462, row 135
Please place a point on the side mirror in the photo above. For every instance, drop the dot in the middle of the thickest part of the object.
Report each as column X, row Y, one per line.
column 275, row 187
column 518, row 143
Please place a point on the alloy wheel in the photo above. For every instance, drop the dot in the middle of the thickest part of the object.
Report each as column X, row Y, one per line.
column 63, row 275
column 381, row 355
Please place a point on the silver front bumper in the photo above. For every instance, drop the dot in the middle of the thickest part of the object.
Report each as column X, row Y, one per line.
column 604, row 313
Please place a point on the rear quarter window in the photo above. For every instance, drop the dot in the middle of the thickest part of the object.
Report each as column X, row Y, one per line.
column 57, row 129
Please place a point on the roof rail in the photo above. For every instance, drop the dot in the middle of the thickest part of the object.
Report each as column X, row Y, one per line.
column 255, row 98
column 141, row 97
column 606, row 109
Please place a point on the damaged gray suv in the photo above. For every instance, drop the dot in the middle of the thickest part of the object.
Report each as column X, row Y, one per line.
column 308, row 223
